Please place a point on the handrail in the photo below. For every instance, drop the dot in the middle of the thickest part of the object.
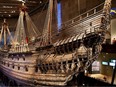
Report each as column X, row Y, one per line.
column 80, row 16
column 83, row 21
column 80, row 21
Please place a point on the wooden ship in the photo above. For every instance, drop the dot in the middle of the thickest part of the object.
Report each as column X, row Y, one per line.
column 37, row 60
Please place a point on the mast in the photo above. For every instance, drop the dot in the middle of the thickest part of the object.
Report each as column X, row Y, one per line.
column 24, row 33
column 20, row 43
column 29, row 30
column 46, row 34
column 20, row 29
column 5, row 27
column 4, row 32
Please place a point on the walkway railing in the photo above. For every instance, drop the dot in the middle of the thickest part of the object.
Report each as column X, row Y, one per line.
column 81, row 23
column 90, row 12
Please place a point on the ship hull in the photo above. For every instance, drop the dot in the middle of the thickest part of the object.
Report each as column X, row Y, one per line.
column 47, row 67
column 57, row 64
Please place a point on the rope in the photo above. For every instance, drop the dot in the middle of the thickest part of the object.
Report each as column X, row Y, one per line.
column 32, row 30
column 10, row 35
column 41, row 12
column 1, row 34
column 46, row 34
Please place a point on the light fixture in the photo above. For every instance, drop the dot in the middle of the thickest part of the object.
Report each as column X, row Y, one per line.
column 9, row 15
column 32, row 1
column 40, row 1
column 13, row 11
column 22, row 1
column 7, row 7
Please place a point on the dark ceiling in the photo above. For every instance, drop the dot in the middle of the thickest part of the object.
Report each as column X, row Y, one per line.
column 10, row 8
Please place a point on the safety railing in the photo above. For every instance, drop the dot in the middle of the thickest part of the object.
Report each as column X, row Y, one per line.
column 94, row 12
column 88, row 13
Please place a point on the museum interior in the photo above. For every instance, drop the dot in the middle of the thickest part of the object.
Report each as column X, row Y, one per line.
column 57, row 43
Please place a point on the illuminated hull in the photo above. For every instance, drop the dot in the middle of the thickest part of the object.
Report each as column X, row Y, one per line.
column 56, row 64
column 49, row 66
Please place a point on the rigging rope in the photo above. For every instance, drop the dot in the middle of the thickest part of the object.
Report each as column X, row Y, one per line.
column 4, row 32
column 32, row 30
column 46, row 34
column 41, row 13
column 23, row 31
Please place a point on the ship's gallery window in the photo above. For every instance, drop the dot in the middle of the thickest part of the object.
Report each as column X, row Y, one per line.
column 13, row 66
column 36, row 69
column 26, row 68
column 18, row 67
column 8, row 64
column 4, row 63
column 18, row 58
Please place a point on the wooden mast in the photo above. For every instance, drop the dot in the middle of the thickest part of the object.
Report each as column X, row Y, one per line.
column 4, row 31
column 46, row 34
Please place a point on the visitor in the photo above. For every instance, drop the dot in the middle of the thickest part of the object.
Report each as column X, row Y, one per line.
column 105, row 79
column 114, row 41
